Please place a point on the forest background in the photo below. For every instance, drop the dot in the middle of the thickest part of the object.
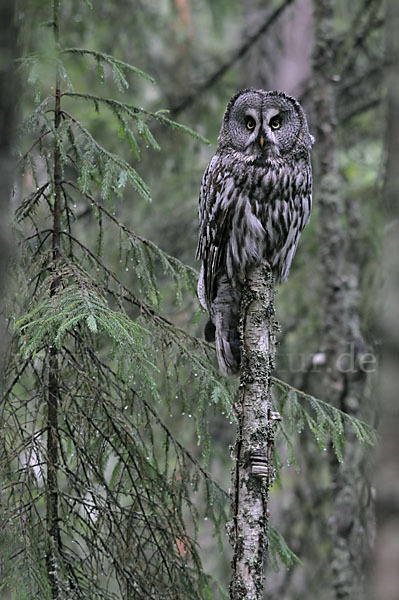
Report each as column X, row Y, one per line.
column 116, row 426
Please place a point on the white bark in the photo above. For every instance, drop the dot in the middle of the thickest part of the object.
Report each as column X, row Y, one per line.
column 253, row 473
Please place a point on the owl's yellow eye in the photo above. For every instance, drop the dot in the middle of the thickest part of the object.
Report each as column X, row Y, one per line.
column 250, row 123
column 275, row 122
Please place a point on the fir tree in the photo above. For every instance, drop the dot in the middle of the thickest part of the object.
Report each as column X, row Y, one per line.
column 98, row 494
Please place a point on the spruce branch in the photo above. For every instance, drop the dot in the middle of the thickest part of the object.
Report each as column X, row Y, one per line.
column 97, row 470
column 170, row 264
column 30, row 203
column 327, row 418
column 50, row 321
column 118, row 66
column 136, row 113
column 37, row 141
column 111, row 161
column 278, row 547
column 31, row 121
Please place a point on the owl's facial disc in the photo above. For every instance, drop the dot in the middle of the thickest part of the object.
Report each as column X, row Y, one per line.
column 281, row 127
column 263, row 125
column 252, row 126
column 272, row 121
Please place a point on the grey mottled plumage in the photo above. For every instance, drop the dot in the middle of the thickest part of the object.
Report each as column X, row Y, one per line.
column 255, row 200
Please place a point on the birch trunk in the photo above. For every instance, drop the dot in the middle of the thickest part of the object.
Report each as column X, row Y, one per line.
column 253, row 473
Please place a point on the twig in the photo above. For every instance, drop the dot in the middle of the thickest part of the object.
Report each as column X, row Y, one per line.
column 360, row 108
column 235, row 56
column 39, row 139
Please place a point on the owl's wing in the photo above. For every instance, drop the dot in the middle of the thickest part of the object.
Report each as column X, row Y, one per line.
column 289, row 215
column 214, row 220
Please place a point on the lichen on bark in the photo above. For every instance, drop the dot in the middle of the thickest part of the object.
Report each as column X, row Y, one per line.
column 252, row 453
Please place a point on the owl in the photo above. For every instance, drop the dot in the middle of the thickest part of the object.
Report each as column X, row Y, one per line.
column 255, row 200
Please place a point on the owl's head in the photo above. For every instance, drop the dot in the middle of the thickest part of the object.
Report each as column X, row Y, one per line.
column 264, row 125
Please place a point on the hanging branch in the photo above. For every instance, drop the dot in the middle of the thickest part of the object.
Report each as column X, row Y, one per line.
column 253, row 473
column 235, row 56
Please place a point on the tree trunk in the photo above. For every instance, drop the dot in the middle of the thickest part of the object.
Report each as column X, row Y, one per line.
column 385, row 574
column 342, row 342
column 9, row 107
column 253, row 472
column 53, row 531
column 280, row 60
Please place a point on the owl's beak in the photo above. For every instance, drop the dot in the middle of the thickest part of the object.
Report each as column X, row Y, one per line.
column 261, row 141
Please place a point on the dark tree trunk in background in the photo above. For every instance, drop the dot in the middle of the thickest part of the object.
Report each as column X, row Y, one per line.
column 9, row 88
column 53, row 390
column 346, row 362
column 385, row 583
column 281, row 60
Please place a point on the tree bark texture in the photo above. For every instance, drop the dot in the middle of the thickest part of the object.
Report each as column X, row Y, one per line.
column 9, row 108
column 384, row 562
column 253, row 472
column 342, row 341
column 280, row 60
column 53, row 532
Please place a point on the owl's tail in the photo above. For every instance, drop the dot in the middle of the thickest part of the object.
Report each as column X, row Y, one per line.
column 225, row 317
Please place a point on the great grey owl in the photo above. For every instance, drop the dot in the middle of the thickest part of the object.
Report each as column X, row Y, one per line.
column 255, row 200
